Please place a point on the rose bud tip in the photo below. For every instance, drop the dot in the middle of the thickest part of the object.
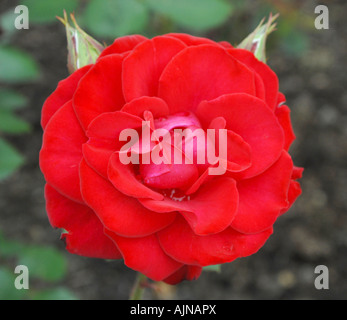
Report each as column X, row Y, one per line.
column 256, row 41
column 82, row 48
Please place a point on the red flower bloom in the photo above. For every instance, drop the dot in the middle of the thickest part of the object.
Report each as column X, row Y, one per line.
column 167, row 221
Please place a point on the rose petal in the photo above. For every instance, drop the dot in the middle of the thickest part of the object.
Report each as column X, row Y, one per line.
column 225, row 44
column 144, row 65
column 184, row 273
column 269, row 77
column 169, row 176
column 293, row 193
column 238, row 152
column 109, row 125
column 283, row 115
column 263, row 197
column 250, row 118
column 248, row 244
column 202, row 73
column 100, row 90
column 84, row 232
column 97, row 158
column 191, row 40
column 123, row 178
column 297, row 173
column 281, row 98
column 61, row 95
column 119, row 213
column 218, row 123
column 145, row 255
column 210, row 210
column 259, row 87
column 156, row 106
column 103, row 133
column 204, row 177
column 61, row 152
column 123, row 44
column 182, row 244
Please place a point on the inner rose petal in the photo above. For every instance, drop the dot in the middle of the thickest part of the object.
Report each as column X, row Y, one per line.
column 173, row 151
column 180, row 152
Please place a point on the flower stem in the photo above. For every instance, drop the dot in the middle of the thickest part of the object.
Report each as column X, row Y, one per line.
column 138, row 288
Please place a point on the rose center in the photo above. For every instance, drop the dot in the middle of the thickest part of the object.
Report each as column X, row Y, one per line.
column 178, row 154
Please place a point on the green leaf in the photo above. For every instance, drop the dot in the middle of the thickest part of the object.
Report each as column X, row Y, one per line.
column 215, row 268
column 114, row 18
column 11, row 100
column 16, row 66
column 10, row 123
column 10, row 159
column 44, row 263
column 59, row 293
column 7, row 289
column 45, row 11
column 9, row 248
column 197, row 15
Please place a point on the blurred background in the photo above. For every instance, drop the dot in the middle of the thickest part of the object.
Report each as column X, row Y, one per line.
column 311, row 66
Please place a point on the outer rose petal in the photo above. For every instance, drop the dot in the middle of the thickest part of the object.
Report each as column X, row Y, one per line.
column 185, row 83
column 184, row 273
column 182, row 244
column 250, row 118
column 219, row 195
column 119, row 213
column 293, row 193
column 191, row 40
column 85, row 233
column 263, row 197
column 100, row 90
column 146, row 256
column 225, row 44
column 297, row 172
column 248, row 244
column 259, row 87
column 269, row 77
column 281, row 98
column 123, row 44
column 283, row 115
column 61, row 152
column 62, row 94
column 144, row 65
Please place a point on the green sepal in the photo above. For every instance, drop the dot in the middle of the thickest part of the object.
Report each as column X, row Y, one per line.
column 82, row 48
column 256, row 41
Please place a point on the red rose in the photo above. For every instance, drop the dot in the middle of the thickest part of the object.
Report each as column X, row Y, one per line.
column 167, row 221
